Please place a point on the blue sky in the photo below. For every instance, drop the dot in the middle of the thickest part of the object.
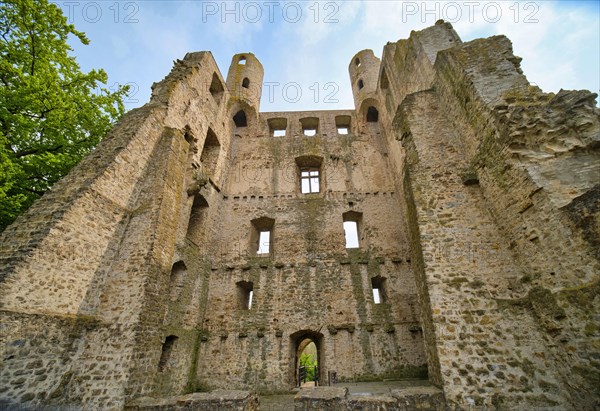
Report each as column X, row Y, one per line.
column 310, row 43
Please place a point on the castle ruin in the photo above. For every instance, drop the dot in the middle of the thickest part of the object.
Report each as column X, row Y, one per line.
column 446, row 228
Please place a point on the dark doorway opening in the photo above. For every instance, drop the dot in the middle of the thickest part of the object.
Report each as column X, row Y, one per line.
column 240, row 119
column 372, row 115
column 307, row 358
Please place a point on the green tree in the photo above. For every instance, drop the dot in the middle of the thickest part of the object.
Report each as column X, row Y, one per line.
column 51, row 113
column 308, row 360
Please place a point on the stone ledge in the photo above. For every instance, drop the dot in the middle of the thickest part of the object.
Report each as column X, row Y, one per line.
column 223, row 400
column 338, row 399
column 321, row 399
column 371, row 403
column 420, row 398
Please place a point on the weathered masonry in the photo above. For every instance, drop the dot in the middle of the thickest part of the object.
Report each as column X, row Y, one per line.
column 447, row 228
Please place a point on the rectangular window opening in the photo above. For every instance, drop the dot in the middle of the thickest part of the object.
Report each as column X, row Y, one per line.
column 309, row 179
column 342, row 124
column 351, row 234
column 264, row 242
column 250, row 294
column 310, row 126
column 277, row 126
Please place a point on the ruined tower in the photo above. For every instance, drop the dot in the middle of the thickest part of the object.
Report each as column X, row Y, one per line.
column 446, row 228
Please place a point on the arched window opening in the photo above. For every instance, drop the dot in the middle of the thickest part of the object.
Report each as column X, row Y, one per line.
column 240, row 119
column 167, row 349
column 210, row 153
column 197, row 218
column 357, row 62
column 372, row 115
column 361, row 84
column 384, row 82
column 216, row 88
column 178, row 274
column 246, row 82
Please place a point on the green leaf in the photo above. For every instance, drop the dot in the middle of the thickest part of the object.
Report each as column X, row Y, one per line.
column 51, row 113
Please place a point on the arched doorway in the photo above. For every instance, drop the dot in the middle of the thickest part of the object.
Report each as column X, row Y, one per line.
column 306, row 358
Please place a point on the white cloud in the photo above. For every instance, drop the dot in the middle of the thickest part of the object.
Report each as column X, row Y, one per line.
column 562, row 50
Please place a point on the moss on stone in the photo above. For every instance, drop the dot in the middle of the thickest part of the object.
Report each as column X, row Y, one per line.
column 546, row 308
column 60, row 390
column 582, row 296
column 590, row 373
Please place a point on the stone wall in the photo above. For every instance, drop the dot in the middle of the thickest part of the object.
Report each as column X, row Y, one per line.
column 534, row 147
column 338, row 399
column 217, row 400
column 476, row 201
column 309, row 284
column 489, row 160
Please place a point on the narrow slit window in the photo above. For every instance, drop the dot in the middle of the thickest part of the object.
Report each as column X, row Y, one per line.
column 376, row 297
column 351, row 234
column 361, row 84
column 378, row 286
column 309, row 180
column 245, row 291
column 264, row 242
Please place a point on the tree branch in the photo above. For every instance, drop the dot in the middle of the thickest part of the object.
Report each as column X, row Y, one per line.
column 29, row 152
column 32, row 190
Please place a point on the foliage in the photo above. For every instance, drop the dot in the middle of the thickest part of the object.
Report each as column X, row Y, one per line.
column 51, row 113
column 308, row 360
